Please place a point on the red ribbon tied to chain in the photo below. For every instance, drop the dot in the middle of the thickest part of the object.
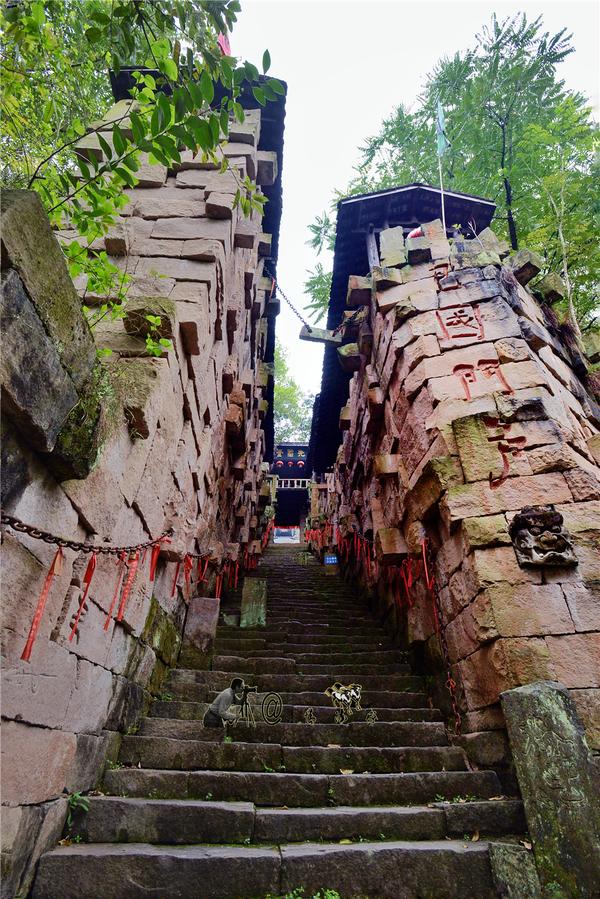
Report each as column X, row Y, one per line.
column 133, row 564
column 188, row 564
column 155, row 554
column 54, row 570
column 120, row 573
column 87, row 580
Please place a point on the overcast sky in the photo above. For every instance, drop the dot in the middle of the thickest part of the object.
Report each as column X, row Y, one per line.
column 347, row 64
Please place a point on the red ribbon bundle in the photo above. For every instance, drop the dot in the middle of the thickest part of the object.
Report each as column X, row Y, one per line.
column 54, row 570
column 133, row 565
column 87, row 580
column 120, row 572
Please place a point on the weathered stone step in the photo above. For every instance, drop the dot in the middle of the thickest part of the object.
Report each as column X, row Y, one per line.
column 290, row 665
column 397, row 699
column 396, row 870
column 163, row 752
column 317, row 653
column 246, row 636
column 193, row 711
column 303, row 790
column 384, row 822
column 113, row 819
column 183, row 679
column 381, row 733
column 388, row 870
column 306, row 632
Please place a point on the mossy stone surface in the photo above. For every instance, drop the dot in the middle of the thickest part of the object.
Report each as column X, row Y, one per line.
column 30, row 246
column 559, row 785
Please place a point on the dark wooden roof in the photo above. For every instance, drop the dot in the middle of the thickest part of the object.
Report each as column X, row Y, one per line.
column 409, row 206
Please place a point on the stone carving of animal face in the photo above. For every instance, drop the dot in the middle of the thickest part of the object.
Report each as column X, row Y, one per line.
column 539, row 538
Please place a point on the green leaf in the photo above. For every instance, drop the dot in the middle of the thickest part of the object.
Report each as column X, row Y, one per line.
column 215, row 128
column 207, row 87
column 93, row 34
column 105, row 146
column 169, row 67
column 266, row 61
column 119, row 140
column 137, row 127
column 259, row 95
column 202, row 132
column 126, row 175
column 276, row 86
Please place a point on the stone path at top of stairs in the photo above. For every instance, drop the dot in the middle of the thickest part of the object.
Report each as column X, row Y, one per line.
column 190, row 816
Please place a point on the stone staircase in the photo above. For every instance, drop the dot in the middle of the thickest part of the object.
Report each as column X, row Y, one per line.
column 191, row 815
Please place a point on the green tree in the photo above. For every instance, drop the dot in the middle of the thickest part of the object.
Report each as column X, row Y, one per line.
column 54, row 70
column 293, row 407
column 517, row 136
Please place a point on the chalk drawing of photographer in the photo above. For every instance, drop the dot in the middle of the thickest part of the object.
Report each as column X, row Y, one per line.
column 218, row 714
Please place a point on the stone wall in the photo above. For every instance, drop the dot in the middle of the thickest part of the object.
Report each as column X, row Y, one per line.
column 466, row 405
column 116, row 453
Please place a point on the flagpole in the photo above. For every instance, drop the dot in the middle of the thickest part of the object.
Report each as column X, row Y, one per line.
column 442, row 194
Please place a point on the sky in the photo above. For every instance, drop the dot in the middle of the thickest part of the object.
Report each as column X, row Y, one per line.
column 348, row 64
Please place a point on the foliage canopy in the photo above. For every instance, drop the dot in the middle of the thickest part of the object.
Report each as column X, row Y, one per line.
column 54, row 69
column 517, row 136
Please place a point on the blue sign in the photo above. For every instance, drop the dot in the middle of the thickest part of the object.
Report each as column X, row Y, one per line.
column 331, row 560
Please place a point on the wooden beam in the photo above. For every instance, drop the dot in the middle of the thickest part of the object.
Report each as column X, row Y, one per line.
column 319, row 335
column 372, row 252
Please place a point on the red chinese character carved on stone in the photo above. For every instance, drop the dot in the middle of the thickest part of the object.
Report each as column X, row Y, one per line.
column 489, row 368
column 461, row 321
column 507, row 446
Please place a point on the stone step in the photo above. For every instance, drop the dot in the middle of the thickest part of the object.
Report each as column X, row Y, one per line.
column 289, row 665
column 193, row 711
column 305, row 632
column 246, row 636
column 450, row 869
column 112, row 819
column 379, row 734
column 182, row 679
column 317, row 654
column 386, row 822
column 164, row 752
column 397, row 699
column 303, row 790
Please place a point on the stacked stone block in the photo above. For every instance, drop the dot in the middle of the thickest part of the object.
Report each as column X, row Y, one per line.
column 176, row 442
column 464, row 408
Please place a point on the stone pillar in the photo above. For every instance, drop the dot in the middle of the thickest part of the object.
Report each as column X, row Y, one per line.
column 200, row 632
column 254, row 602
column 560, row 787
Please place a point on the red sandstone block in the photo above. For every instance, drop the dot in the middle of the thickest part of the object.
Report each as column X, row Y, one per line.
column 528, row 610
column 588, row 707
column 584, row 605
column 584, row 484
column 501, row 665
column 474, row 499
column 43, row 759
column 576, row 659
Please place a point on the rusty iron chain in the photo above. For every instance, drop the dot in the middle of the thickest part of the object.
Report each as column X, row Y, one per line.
column 289, row 302
column 16, row 524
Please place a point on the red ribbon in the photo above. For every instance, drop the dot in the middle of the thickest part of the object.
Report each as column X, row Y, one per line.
column 54, row 570
column 175, row 579
column 87, row 580
column 188, row 565
column 154, row 556
column 133, row 564
column 120, row 572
